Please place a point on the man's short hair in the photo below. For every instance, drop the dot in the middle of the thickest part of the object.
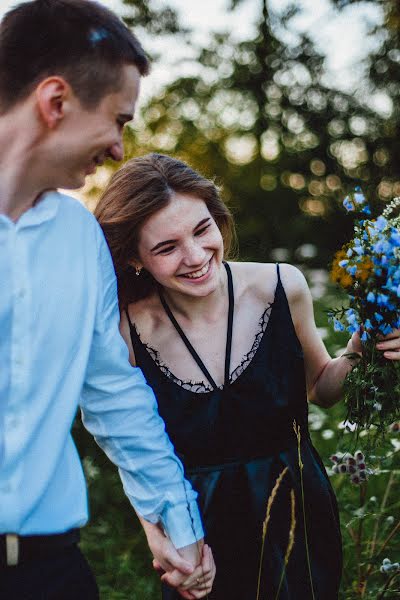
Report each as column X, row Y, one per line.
column 80, row 40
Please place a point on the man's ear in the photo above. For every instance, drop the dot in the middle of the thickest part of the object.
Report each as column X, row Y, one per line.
column 51, row 96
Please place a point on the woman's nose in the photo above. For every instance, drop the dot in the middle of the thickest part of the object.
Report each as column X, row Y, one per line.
column 194, row 254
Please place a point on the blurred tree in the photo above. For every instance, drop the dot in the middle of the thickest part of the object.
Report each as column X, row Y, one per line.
column 283, row 145
column 152, row 18
column 383, row 149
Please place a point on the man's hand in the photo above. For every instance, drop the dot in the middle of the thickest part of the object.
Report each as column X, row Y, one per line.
column 167, row 559
column 191, row 570
column 200, row 582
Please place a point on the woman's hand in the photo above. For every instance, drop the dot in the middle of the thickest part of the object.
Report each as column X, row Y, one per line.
column 200, row 582
column 175, row 565
column 389, row 345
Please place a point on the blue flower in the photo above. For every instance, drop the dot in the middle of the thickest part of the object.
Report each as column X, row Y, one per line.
column 395, row 237
column 352, row 317
column 337, row 325
column 348, row 204
column 378, row 317
column 352, row 328
column 371, row 297
column 352, row 270
column 368, row 324
column 366, row 210
column 343, row 263
column 382, row 299
column 364, row 336
column 359, row 197
column 380, row 223
column 385, row 328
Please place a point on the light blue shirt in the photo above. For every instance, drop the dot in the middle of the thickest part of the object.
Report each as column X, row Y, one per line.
column 60, row 347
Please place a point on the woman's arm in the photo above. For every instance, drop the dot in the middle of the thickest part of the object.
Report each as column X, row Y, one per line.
column 126, row 334
column 324, row 375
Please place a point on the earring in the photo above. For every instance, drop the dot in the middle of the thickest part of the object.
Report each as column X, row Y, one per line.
column 138, row 271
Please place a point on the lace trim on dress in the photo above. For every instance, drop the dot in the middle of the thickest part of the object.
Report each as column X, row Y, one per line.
column 193, row 386
column 262, row 325
column 200, row 386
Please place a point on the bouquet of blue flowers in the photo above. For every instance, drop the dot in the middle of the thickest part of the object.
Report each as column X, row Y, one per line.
column 368, row 268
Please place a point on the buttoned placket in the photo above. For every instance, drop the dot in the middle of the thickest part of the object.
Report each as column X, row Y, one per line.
column 13, row 416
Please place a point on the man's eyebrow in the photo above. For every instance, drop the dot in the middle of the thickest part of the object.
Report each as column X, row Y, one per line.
column 166, row 242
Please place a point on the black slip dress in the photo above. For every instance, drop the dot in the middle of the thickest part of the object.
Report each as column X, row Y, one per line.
column 234, row 441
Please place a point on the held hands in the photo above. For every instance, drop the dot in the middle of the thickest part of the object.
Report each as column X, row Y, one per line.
column 200, row 581
column 191, row 570
column 389, row 345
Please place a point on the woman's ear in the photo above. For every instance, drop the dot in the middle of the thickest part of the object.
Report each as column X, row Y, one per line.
column 135, row 264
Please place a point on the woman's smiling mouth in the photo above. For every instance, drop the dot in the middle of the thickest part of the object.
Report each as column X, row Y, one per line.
column 197, row 274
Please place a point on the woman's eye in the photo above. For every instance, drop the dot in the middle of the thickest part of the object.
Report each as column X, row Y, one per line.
column 166, row 250
column 202, row 230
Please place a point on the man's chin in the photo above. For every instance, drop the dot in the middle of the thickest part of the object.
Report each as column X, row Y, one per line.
column 74, row 184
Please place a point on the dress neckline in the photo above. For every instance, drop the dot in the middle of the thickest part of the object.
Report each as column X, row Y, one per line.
column 201, row 387
column 189, row 346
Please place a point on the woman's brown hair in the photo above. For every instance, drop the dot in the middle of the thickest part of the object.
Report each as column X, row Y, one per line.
column 142, row 187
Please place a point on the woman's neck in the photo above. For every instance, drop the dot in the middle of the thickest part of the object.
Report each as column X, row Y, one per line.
column 208, row 308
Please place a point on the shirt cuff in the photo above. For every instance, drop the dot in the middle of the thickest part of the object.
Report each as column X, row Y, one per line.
column 182, row 524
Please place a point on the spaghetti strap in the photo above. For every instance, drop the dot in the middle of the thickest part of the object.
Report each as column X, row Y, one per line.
column 230, row 324
column 278, row 273
column 189, row 346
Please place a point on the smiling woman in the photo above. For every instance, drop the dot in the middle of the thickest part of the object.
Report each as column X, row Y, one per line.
column 145, row 230
column 231, row 350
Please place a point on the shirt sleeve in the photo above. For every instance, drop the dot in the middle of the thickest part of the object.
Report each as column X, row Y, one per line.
column 120, row 410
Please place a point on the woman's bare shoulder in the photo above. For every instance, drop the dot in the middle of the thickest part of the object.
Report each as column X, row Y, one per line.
column 145, row 313
column 293, row 281
column 259, row 279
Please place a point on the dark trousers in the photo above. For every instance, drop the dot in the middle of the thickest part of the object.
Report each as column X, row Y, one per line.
column 65, row 575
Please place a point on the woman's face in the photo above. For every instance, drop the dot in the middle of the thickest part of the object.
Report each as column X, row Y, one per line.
column 181, row 246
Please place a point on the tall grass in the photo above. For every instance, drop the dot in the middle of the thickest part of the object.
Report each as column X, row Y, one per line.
column 265, row 525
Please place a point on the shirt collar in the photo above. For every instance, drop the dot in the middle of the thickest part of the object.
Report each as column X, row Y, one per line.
column 45, row 209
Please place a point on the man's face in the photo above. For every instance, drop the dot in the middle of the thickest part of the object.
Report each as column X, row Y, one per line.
column 87, row 137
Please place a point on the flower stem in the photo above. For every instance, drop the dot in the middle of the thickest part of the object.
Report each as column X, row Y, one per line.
column 387, row 585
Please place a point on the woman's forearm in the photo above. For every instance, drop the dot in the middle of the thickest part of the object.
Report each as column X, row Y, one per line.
column 327, row 389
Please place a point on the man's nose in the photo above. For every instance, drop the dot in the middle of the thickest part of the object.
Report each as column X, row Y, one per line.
column 116, row 151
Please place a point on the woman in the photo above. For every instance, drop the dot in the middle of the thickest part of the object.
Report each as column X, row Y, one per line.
column 231, row 351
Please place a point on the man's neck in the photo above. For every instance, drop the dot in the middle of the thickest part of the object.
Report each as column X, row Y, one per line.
column 19, row 186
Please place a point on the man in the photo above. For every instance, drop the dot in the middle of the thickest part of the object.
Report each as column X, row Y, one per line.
column 69, row 80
